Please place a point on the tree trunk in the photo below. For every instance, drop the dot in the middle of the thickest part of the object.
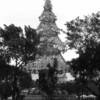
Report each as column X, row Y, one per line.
column 15, row 91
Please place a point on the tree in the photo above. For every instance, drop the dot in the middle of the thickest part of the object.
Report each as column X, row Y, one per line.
column 11, row 43
column 82, row 30
column 31, row 44
column 86, row 68
column 19, row 47
column 74, row 87
column 89, row 61
column 5, row 70
column 8, row 85
column 25, row 79
column 83, row 34
column 48, row 78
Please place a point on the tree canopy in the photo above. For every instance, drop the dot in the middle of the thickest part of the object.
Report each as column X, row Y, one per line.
column 20, row 47
column 84, row 35
column 80, row 31
column 17, row 45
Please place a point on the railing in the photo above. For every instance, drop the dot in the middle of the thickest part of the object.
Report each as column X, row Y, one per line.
column 63, row 97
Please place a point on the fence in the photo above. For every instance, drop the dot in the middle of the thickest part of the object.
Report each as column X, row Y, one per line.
column 62, row 97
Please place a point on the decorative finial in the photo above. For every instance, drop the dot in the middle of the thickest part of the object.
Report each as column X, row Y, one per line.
column 47, row 5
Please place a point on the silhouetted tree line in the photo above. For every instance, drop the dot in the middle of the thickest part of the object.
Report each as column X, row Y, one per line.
column 20, row 47
column 84, row 35
column 12, row 80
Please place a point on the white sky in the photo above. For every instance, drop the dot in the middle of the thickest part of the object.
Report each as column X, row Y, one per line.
column 26, row 12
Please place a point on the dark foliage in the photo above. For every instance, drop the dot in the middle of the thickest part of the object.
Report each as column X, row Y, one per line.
column 81, row 30
column 83, row 35
column 48, row 78
column 20, row 47
column 12, row 80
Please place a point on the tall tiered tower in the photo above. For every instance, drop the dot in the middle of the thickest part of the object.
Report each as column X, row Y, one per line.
column 50, row 45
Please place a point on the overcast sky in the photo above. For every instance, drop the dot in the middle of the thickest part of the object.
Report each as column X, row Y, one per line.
column 26, row 12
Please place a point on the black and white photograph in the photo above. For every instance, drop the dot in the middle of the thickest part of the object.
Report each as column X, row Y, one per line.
column 49, row 50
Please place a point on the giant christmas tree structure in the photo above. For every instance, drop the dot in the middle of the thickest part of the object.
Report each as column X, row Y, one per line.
column 50, row 46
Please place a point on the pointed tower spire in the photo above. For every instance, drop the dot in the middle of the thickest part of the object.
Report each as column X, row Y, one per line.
column 47, row 15
column 48, row 5
column 50, row 45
